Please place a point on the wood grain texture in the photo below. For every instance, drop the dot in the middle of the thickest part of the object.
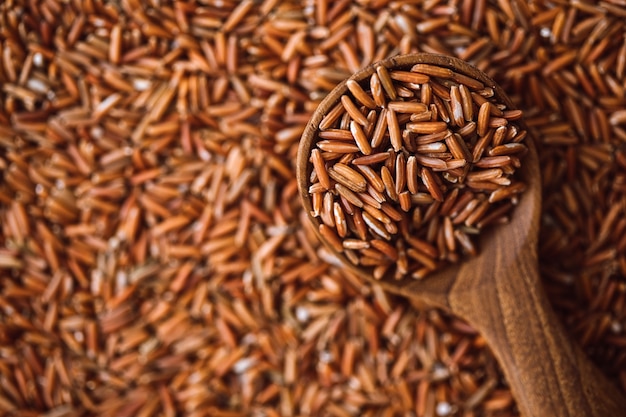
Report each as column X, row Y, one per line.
column 499, row 292
column 548, row 374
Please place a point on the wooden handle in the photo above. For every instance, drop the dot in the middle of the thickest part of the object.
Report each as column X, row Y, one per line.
column 499, row 291
column 549, row 375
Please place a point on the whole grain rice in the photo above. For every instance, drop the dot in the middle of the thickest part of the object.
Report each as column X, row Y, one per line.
column 233, row 308
column 441, row 163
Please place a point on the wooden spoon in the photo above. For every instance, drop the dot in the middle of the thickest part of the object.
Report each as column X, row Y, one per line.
column 499, row 291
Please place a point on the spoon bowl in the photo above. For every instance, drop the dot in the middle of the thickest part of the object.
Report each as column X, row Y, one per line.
column 498, row 291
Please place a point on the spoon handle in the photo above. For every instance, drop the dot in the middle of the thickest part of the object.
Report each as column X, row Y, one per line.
column 548, row 374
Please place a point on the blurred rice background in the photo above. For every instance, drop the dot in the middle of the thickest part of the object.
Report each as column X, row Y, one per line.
column 154, row 259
